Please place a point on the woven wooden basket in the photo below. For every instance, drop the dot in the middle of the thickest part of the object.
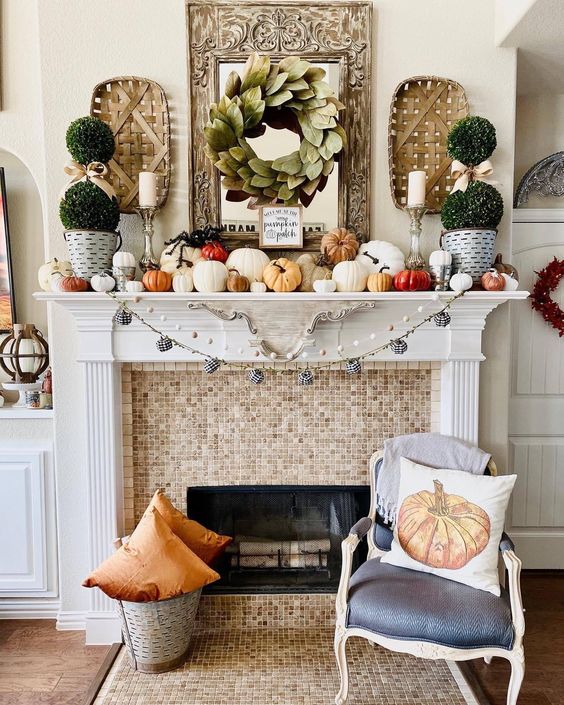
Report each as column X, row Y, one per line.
column 422, row 111
column 157, row 634
column 136, row 109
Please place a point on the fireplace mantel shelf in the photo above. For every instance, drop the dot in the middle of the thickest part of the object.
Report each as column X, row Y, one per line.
column 280, row 326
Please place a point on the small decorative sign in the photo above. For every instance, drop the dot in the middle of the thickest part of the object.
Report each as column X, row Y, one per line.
column 280, row 227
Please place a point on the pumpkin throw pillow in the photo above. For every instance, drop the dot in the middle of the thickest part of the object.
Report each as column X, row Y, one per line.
column 153, row 565
column 205, row 543
column 450, row 523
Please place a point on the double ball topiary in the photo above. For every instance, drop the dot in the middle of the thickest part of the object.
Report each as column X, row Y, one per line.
column 86, row 207
column 471, row 140
column 90, row 140
column 480, row 206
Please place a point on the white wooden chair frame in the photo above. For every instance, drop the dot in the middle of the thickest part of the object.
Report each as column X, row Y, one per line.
column 423, row 649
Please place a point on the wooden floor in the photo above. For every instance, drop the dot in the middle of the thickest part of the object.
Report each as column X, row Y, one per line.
column 40, row 666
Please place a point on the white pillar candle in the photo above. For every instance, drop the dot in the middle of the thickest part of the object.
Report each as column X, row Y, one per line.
column 147, row 189
column 27, row 364
column 416, row 188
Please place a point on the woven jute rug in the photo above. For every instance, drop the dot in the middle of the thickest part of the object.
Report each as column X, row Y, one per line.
column 285, row 667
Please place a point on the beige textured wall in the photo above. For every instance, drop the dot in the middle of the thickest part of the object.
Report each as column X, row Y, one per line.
column 56, row 52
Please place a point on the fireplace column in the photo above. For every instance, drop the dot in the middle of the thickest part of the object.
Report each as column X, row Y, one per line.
column 105, row 487
column 460, row 382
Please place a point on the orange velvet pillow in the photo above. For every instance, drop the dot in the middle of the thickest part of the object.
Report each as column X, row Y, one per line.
column 205, row 543
column 153, row 565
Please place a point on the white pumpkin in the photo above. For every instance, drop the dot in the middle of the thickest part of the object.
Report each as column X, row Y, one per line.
column 134, row 287
column 52, row 270
column 511, row 284
column 440, row 258
column 258, row 287
column 183, row 281
column 170, row 256
column 123, row 259
column 376, row 254
column 324, row 286
column 460, row 281
column 249, row 262
column 210, row 276
column 350, row 276
column 102, row 282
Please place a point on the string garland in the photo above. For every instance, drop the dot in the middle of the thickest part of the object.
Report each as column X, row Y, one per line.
column 397, row 343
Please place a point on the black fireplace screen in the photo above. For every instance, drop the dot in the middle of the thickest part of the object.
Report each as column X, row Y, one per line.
column 286, row 538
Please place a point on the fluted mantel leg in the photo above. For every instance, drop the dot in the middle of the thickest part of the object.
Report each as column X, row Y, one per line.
column 460, row 384
column 105, row 488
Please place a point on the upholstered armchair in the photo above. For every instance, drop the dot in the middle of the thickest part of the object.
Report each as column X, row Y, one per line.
column 422, row 614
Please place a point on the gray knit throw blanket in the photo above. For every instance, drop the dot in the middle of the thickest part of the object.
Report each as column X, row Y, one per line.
column 431, row 449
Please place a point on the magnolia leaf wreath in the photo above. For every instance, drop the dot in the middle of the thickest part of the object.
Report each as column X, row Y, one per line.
column 548, row 280
column 288, row 95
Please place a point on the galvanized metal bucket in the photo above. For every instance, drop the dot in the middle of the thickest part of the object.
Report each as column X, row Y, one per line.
column 91, row 251
column 471, row 249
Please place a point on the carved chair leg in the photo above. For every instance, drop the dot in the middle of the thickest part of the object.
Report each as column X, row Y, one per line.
column 488, row 659
column 341, row 656
column 517, row 660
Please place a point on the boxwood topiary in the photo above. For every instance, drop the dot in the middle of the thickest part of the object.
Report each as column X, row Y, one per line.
column 480, row 206
column 86, row 207
column 471, row 140
column 90, row 140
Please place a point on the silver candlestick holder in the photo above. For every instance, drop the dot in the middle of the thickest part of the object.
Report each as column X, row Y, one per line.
column 148, row 261
column 414, row 258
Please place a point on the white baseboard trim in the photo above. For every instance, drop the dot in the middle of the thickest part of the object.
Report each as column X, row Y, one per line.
column 463, row 685
column 29, row 608
column 70, row 621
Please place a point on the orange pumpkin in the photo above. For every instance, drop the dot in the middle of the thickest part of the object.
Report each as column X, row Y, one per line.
column 380, row 281
column 493, row 281
column 282, row 275
column 157, row 280
column 442, row 530
column 73, row 284
column 339, row 245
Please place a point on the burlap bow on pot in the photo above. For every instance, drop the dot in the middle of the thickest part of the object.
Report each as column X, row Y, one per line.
column 465, row 174
column 94, row 172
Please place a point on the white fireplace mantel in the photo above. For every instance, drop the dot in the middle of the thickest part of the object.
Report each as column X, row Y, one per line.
column 280, row 322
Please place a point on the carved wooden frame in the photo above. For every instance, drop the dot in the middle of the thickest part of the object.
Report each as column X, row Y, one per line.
column 338, row 31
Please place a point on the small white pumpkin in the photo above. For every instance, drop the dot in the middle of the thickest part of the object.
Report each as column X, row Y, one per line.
column 170, row 256
column 123, row 259
column 350, row 276
column 249, row 262
column 134, row 287
column 258, row 287
column 210, row 276
column 324, row 286
column 52, row 270
column 460, row 281
column 440, row 258
column 511, row 284
column 102, row 282
column 376, row 254
column 183, row 281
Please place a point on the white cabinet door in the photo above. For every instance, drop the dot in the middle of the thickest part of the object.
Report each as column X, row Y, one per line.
column 25, row 484
column 536, row 411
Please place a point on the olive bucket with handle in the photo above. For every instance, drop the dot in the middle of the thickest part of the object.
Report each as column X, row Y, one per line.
column 91, row 251
column 471, row 249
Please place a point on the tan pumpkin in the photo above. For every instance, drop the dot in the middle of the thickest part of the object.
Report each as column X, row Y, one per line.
column 157, row 280
column 380, row 281
column 493, row 281
column 282, row 275
column 313, row 269
column 339, row 245
column 237, row 282
column 442, row 530
column 504, row 268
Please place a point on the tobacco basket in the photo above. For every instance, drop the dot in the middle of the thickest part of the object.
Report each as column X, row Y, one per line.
column 136, row 110
column 422, row 111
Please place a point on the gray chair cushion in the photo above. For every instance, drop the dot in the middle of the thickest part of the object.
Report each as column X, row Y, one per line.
column 405, row 604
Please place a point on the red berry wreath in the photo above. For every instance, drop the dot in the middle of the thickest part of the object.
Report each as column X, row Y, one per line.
column 548, row 280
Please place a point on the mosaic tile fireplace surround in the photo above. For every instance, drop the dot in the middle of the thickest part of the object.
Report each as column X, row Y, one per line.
column 182, row 428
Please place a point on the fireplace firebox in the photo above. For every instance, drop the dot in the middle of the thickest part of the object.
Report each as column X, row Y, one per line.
column 285, row 538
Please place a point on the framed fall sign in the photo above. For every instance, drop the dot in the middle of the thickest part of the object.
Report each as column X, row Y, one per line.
column 280, row 227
